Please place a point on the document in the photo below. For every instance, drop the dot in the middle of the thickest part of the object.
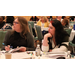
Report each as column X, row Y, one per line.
column 14, row 50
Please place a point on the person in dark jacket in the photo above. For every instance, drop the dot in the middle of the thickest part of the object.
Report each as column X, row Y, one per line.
column 10, row 19
column 34, row 18
column 19, row 36
column 1, row 21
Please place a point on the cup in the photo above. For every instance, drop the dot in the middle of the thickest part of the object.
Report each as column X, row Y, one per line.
column 8, row 55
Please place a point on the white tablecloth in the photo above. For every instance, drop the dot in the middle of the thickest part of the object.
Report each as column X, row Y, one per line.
column 44, row 28
column 24, row 55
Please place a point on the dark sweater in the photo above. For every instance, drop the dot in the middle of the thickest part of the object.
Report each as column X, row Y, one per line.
column 2, row 24
column 16, row 40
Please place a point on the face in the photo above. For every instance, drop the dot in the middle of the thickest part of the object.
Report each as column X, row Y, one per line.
column 59, row 17
column 16, row 25
column 63, row 23
column 42, row 18
column 33, row 16
column 51, row 29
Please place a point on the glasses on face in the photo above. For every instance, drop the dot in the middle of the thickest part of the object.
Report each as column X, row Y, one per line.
column 16, row 22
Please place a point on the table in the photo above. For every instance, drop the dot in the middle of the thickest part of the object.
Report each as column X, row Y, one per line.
column 72, row 35
column 24, row 55
column 44, row 28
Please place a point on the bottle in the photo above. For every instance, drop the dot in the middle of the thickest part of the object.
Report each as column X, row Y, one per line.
column 69, row 55
column 38, row 50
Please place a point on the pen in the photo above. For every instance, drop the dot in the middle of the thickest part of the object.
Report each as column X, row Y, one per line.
column 3, row 44
column 6, row 45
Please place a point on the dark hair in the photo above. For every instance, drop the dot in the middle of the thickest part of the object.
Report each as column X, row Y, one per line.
column 2, row 17
column 59, row 31
column 9, row 19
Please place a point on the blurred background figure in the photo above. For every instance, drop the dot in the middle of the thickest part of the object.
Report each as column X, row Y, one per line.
column 2, row 21
column 34, row 18
column 59, row 18
column 43, row 22
column 53, row 17
column 68, row 18
column 9, row 22
column 65, row 23
column 49, row 18
column 72, row 18
column 9, row 19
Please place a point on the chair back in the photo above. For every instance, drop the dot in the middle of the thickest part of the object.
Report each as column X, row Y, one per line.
column 39, row 32
column 30, row 28
column 2, row 35
column 68, row 31
column 31, row 23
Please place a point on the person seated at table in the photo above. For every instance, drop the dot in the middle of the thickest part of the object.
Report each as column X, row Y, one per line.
column 10, row 19
column 20, row 36
column 2, row 22
column 56, row 39
column 9, row 22
column 49, row 18
column 34, row 18
column 72, row 18
column 43, row 22
column 59, row 18
column 65, row 23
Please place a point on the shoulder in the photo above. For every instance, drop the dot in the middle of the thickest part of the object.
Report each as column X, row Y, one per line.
column 29, row 35
column 9, row 32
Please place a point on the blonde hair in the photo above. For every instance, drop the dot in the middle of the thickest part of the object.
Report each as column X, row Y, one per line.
column 44, row 18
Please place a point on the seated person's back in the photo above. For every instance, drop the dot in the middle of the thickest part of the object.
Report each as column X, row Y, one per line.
column 34, row 18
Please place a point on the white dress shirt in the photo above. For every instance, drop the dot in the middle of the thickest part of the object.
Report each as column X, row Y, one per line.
column 62, row 47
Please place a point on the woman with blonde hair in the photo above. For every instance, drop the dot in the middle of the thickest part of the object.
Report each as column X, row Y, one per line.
column 19, row 36
column 43, row 22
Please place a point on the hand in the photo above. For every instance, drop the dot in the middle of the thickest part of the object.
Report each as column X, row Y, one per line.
column 23, row 49
column 47, row 35
column 7, row 48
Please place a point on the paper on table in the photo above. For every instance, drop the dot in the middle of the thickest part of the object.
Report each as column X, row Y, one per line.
column 54, row 56
column 14, row 50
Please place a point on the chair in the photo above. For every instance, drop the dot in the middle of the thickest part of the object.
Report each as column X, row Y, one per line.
column 70, row 43
column 31, row 23
column 68, row 31
column 39, row 32
column 30, row 28
column 39, row 36
column 2, row 35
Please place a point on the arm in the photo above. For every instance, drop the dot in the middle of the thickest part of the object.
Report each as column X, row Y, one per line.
column 62, row 48
column 45, row 45
column 6, row 39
